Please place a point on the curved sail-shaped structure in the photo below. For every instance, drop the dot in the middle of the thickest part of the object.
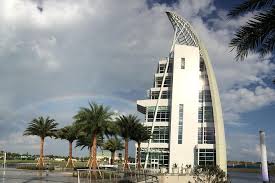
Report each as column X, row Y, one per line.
column 183, row 110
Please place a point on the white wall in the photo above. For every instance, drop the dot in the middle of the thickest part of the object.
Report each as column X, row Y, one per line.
column 185, row 90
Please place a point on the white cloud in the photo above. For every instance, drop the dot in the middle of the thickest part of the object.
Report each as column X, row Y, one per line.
column 243, row 100
column 55, row 14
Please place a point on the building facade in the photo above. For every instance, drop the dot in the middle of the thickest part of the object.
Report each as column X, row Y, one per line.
column 183, row 111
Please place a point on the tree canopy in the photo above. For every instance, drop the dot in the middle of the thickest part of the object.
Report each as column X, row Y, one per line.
column 42, row 127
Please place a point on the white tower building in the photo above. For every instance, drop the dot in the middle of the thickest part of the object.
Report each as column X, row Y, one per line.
column 183, row 111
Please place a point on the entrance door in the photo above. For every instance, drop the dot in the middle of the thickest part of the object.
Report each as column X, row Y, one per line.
column 154, row 163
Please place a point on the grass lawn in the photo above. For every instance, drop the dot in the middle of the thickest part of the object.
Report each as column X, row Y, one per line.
column 61, row 164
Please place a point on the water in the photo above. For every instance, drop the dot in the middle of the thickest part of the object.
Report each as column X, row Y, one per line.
column 240, row 177
column 27, row 176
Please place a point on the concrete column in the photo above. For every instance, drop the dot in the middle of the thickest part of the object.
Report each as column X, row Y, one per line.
column 263, row 157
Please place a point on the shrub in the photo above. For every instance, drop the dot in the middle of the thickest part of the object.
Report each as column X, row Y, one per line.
column 209, row 174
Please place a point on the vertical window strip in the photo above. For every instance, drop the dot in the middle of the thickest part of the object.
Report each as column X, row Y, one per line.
column 182, row 66
column 180, row 126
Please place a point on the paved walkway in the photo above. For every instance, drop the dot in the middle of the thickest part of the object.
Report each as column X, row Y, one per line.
column 28, row 176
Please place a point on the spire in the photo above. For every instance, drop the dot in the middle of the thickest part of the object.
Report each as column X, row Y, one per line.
column 185, row 33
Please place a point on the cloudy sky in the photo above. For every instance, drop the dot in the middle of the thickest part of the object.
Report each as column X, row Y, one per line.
column 55, row 61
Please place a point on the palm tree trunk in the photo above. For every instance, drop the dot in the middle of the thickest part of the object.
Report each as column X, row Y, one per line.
column 112, row 157
column 126, row 166
column 70, row 160
column 41, row 158
column 90, row 156
column 138, row 156
column 94, row 163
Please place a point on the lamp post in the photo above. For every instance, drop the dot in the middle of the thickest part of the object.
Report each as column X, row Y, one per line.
column 263, row 157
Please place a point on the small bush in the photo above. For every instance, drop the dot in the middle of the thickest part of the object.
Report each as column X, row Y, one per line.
column 209, row 174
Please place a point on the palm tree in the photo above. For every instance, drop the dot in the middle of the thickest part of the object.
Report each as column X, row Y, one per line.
column 258, row 34
column 140, row 134
column 93, row 121
column 126, row 125
column 112, row 145
column 84, row 140
column 43, row 128
column 69, row 133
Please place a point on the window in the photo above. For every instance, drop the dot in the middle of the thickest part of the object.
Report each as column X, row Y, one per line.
column 200, row 96
column 209, row 135
column 162, row 116
column 182, row 65
column 159, row 154
column 200, row 115
column 167, row 83
column 205, row 114
column 180, row 127
column 200, row 136
column 204, row 78
column 206, row 135
column 208, row 114
column 202, row 66
column 206, row 157
column 165, row 94
column 205, row 96
column 160, row 134
column 161, row 68
column 170, row 68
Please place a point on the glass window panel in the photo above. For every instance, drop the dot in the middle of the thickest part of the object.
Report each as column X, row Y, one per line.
column 207, row 158
column 161, row 68
column 180, row 125
column 160, row 134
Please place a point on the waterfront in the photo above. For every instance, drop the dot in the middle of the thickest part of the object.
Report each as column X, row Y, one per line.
column 28, row 176
column 241, row 177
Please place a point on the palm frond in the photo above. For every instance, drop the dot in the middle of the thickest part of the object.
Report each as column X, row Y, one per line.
column 113, row 144
column 69, row 133
column 42, row 127
column 84, row 140
column 249, row 5
column 257, row 36
column 268, row 45
column 127, row 125
column 140, row 133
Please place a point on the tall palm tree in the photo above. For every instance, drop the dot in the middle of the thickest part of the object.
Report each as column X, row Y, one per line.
column 93, row 121
column 42, row 127
column 113, row 144
column 69, row 133
column 126, row 125
column 140, row 134
column 258, row 34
